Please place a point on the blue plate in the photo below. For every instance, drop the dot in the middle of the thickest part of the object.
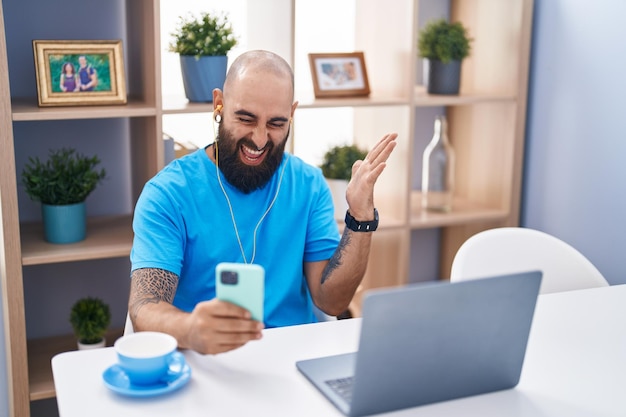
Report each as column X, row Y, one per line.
column 116, row 380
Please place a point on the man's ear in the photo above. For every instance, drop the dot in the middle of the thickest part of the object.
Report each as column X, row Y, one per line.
column 293, row 108
column 218, row 100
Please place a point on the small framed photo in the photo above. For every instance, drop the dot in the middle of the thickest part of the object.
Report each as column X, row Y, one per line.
column 339, row 74
column 77, row 73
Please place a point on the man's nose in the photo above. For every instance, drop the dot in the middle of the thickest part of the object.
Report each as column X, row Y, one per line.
column 260, row 136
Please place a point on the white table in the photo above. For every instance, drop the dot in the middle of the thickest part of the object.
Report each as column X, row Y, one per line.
column 575, row 366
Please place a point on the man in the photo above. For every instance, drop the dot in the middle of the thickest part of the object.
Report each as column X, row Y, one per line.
column 242, row 199
column 87, row 76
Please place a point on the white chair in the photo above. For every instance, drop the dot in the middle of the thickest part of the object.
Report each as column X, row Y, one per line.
column 516, row 249
column 128, row 327
column 321, row 316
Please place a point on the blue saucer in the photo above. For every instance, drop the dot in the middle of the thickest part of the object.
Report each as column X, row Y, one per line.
column 116, row 380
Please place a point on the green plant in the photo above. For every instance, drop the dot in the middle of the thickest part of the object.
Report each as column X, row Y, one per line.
column 90, row 317
column 206, row 35
column 444, row 41
column 67, row 177
column 338, row 161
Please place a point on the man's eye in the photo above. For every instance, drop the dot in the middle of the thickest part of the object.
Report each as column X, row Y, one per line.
column 277, row 125
column 245, row 120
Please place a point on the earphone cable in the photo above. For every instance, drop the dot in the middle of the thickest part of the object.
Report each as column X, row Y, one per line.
column 230, row 206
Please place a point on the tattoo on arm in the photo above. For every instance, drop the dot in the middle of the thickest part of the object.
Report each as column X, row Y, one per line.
column 151, row 285
column 336, row 259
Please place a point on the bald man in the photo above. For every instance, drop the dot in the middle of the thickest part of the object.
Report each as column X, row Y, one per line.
column 243, row 199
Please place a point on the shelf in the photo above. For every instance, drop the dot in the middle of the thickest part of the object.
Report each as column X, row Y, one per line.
column 309, row 102
column 488, row 118
column 385, row 223
column 463, row 212
column 180, row 105
column 41, row 352
column 422, row 99
column 389, row 223
column 28, row 110
column 107, row 237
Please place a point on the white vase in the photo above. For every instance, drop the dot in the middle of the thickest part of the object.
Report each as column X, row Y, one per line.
column 338, row 191
column 86, row 346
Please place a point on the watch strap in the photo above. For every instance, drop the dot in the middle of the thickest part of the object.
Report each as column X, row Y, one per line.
column 358, row 226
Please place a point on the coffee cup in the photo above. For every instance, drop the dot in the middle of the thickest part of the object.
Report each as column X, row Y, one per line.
column 148, row 358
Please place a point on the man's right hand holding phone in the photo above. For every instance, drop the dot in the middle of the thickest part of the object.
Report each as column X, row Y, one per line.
column 218, row 326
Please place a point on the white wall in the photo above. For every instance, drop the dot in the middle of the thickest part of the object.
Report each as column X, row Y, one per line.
column 575, row 181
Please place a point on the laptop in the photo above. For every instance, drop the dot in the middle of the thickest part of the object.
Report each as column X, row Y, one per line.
column 430, row 342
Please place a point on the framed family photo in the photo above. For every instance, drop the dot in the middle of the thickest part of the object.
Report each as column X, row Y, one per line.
column 76, row 73
column 339, row 74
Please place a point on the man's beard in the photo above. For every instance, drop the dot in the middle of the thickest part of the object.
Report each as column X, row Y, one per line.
column 244, row 177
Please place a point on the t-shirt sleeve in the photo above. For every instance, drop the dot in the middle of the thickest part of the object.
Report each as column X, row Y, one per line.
column 323, row 234
column 159, row 230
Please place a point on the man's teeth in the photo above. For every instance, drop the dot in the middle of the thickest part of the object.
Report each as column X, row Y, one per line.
column 253, row 151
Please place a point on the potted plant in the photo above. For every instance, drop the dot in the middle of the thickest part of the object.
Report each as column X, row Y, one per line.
column 337, row 169
column 444, row 45
column 203, row 43
column 90, row 318
column 62, row 185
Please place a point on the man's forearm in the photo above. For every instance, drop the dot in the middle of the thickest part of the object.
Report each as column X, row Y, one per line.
column 344, row 272
column 150, row 303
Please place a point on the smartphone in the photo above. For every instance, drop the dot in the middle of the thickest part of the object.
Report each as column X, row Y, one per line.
column 243, row 285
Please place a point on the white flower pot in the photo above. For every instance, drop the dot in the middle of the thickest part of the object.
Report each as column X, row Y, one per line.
column 100, row 344
column 338, row 191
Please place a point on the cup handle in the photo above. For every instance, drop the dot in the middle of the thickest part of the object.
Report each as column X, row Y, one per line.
column 176, row 364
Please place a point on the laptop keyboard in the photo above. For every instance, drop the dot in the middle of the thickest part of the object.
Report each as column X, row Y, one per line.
column 342, row 386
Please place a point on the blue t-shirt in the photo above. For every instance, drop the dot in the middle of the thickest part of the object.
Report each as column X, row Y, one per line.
column 182, row 224
column 85, row 74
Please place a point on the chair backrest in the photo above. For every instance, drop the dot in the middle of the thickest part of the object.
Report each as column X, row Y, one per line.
column 516, row 249
column 128, row 327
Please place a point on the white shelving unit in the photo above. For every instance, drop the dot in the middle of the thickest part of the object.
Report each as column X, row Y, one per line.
column 486, row 127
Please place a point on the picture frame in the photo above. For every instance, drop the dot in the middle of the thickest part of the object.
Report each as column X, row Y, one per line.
column 78, row 73
column 339, row 74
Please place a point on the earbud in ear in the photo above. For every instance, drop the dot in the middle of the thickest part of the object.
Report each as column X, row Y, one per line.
column 216, row 113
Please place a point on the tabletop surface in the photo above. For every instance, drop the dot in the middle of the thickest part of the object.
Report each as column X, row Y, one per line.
column 575, row 366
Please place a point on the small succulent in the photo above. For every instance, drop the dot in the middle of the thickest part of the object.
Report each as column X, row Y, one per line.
column 67, row 177
column 206, row 35
column 90, row 317
column 444, row 41
column 338, row 161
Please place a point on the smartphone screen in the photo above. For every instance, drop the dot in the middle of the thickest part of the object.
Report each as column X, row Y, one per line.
column 243, row 285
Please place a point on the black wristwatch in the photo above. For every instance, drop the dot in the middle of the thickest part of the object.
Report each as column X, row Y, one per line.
column 357, row 226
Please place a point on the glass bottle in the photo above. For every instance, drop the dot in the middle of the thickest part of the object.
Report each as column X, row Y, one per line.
column 438, row 170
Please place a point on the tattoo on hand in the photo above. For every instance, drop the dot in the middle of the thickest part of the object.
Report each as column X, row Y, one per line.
column 151, row 285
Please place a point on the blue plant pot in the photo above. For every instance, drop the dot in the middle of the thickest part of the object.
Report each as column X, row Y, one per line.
column 64, row 224
column 202, row 75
